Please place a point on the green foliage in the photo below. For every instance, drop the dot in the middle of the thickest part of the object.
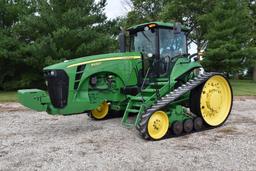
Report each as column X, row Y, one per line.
column 228, row 27
column 188, row 13
column 10, row 55
column 37, row 33
column 252, row 6
column 183, row 11
column 49, row 32
column 144, row 11
column 229, row 34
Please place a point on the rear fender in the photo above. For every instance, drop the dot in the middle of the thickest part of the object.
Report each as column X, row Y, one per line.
column 182, row 66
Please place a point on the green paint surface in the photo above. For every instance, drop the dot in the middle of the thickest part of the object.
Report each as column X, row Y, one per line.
column 163, row 24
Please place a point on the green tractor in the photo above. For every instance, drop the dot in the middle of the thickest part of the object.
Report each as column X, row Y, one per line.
column 153, row 79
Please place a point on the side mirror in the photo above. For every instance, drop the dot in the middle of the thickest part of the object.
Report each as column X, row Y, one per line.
column 122, row 41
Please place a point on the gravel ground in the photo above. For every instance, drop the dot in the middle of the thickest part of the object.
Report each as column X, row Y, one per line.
column 38, row 141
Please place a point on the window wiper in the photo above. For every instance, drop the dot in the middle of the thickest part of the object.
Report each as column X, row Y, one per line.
column 146, row 37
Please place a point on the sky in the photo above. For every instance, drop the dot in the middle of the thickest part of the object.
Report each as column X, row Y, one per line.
column 115, row 8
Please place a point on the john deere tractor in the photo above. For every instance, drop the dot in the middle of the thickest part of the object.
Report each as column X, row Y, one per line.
column 153, row 79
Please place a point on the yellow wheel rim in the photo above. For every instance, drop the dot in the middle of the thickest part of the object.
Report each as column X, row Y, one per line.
column 101, row 111
column 216, row 100
column 158, row 125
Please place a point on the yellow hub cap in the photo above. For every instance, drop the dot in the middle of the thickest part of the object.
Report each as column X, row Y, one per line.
column 158, row 125
column 101, row 111
column 215, row 101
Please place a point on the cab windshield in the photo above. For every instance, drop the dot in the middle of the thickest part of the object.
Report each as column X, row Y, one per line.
column 171, row 43
column 158, row 45
column 144, row 41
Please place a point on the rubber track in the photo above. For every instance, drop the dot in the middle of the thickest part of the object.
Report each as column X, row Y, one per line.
column 170, row 97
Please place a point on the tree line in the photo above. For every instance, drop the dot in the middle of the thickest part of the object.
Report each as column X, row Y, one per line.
column 227, row 26
column 37, row 33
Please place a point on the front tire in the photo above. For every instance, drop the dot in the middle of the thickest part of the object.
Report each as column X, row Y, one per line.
column 101, row 112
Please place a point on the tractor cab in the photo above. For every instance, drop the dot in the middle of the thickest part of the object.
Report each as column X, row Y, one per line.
column 159, row 43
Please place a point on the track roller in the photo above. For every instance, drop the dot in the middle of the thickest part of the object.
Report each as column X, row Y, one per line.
column 198, row 123
column 177, row 128
column 188, row 125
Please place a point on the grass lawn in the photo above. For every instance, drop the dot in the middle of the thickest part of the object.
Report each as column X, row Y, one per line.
column 240, row 88
column 243, row 87
column 8, row 96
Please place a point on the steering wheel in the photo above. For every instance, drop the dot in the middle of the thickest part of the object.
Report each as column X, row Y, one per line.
column 166, row 52
column 193, row 56
column 164, row 64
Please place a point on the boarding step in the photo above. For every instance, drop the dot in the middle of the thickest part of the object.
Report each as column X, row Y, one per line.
column 139, row 98
column 162, row 79
column 159, row 79
column 135, row 107
column 159, row 83
column 149, row 90
column 133, row 110
column 137, row 104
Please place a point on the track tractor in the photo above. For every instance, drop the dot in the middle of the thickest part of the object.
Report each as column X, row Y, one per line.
column 153, row 81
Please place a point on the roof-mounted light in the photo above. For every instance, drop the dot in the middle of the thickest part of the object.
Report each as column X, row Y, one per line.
column 152, row 25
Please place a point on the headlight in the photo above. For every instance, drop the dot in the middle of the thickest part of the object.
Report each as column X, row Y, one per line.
column 53, row 73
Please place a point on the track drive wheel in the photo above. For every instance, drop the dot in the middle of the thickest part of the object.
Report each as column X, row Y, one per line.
column 155, row 127
column 212, row 100
column 101, row 112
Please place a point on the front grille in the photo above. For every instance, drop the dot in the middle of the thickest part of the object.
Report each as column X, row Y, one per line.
column 57, row 87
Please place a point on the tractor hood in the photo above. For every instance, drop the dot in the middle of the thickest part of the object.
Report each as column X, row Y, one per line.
column 94, row 58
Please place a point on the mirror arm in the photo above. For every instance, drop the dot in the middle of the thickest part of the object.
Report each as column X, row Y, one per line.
column 122, row 41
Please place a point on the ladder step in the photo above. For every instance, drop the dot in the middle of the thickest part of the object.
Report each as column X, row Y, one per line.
column 159, row 83
column 139, row 98
column 162, row 83
column 132, row 110
column 148, row 90
column 162, row 79
column 137, row 104
column 128, row 125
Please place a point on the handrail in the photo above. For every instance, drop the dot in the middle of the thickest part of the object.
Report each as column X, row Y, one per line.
column 144, row 79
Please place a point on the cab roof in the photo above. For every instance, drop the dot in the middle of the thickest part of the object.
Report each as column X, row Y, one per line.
column 157, row 24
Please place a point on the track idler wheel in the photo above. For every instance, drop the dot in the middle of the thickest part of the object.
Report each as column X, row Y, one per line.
column 177, row 128
column 154, row 127
column 188, row 125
